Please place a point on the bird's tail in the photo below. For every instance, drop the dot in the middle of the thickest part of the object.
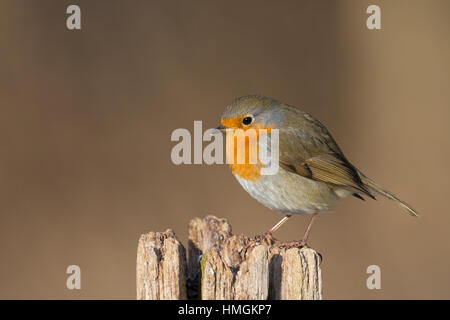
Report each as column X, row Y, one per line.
column 376, row 189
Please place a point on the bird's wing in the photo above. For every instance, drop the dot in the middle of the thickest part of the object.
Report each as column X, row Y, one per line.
column 313, row 153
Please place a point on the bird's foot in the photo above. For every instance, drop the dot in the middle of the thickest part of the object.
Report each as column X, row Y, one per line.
column 295, row 244
column 270, row 239
column 267, row 238
column 299, row 244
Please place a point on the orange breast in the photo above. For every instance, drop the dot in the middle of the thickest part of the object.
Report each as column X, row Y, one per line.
column 248, row 170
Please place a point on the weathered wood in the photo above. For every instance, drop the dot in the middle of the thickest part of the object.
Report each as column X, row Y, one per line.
column 225, row 266
column 204, row 234
column 161, row 267
column 295, row 274
column 235, row 272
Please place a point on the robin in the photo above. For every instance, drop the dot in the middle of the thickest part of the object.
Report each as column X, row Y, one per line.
column 313, row 172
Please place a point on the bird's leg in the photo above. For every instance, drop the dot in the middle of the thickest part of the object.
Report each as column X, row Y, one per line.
column 308, row 229
column 269, row 233
column 302, row 243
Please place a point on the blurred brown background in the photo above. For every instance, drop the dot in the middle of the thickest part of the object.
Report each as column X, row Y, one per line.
column 87, row 116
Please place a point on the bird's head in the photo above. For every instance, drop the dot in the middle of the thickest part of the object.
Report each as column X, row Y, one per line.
column 252, row 112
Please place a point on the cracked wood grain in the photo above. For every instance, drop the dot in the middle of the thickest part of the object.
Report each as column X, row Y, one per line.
column 160, row 267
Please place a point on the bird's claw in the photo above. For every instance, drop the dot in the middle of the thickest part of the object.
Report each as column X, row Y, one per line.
column 264, row 238
column 296, row 244
column 269, row 238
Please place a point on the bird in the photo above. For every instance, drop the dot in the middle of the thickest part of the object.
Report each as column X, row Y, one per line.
column 313, row 172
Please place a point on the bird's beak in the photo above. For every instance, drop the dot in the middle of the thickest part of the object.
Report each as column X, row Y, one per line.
column 221, row 128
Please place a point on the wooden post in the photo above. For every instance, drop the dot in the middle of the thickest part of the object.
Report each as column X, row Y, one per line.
column 224, row 266
column 160, row 267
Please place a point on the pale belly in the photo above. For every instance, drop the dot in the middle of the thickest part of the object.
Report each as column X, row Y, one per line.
column 290, row 193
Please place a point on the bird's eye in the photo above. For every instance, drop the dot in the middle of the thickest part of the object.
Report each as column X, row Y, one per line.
column 247, row 120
